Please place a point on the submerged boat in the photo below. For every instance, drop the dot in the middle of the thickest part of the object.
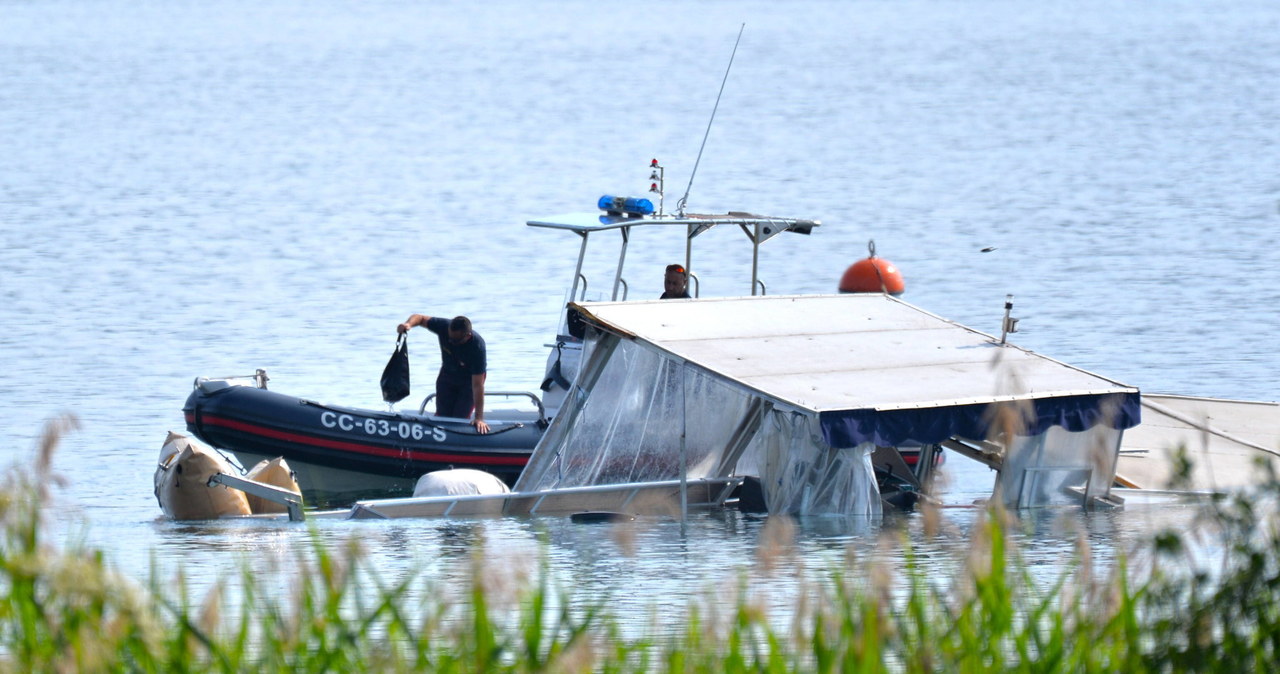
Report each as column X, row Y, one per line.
column 1225, row 444
column 341, row 454
column 802, row 405
column 815, row 404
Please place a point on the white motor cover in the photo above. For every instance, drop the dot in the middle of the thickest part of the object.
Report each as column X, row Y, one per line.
column 459, row 482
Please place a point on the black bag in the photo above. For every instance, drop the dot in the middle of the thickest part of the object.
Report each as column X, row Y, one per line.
column 395, row 377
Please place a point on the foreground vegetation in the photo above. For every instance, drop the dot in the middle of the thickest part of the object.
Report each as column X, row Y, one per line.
column 68, row 610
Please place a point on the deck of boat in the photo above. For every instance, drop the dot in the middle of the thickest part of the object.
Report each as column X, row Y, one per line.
column 1224, row 439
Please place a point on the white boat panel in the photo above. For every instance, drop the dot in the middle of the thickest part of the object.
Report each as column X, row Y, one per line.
column 643, row 498
column 1223, row 438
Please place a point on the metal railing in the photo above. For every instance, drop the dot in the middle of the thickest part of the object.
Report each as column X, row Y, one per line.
column 542, row 411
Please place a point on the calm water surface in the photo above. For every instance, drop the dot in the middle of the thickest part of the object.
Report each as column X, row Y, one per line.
column 201, row 189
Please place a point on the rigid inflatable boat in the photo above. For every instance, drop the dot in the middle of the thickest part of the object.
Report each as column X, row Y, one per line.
column 342, row 454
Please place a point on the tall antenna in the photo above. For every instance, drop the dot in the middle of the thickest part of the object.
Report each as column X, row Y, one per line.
column 685, row 199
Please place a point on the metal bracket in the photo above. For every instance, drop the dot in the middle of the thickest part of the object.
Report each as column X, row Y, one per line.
column 290, row 500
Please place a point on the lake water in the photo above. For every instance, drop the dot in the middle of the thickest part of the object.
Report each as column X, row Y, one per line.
column 205, row 188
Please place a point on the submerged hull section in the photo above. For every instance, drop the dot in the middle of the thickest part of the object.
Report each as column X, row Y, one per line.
column 344, row 454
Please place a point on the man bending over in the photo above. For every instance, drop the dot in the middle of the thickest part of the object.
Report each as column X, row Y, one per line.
column 460, row 384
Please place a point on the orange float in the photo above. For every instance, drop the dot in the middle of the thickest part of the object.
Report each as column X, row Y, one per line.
column 872, row 275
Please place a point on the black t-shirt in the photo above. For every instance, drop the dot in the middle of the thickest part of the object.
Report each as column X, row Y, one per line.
column 458, row 360
column 682, row 296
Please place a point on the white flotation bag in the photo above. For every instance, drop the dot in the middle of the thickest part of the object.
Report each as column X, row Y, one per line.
column 459, row 482
column 276, row 473
column 182, row 481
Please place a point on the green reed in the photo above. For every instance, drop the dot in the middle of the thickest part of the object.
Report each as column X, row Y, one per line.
column 69, row 610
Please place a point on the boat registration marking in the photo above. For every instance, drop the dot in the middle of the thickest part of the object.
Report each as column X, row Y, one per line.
column 406, row 430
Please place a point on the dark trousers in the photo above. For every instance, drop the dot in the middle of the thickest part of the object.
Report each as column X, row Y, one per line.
column 454, row 397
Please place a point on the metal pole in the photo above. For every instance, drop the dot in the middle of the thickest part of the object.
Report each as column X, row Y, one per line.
column 622, row 258
column 577, row 272
column 684, row 450
column 1009, row 324
column 685, row 199
column 755, row 259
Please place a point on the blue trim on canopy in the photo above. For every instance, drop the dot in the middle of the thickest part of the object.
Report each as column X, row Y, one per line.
column 931, row 425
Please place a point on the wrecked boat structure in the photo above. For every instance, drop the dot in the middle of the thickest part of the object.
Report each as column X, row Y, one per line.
column 1225, row 445
column 803, row 405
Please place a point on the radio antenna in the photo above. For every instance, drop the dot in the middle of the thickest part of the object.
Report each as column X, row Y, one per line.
column 685, row 199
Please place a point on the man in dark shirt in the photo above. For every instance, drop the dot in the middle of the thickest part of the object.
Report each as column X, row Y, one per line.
column 676, row 283
column 460, row 384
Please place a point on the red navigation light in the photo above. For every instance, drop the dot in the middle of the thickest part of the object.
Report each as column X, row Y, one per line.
column 653, row 163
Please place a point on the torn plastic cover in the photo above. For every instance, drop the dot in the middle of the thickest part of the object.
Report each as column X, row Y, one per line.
column 624, row 425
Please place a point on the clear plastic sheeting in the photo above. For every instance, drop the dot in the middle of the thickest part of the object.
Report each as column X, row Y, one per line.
column 803, row 475
column 626, row 426
column 625, row 423
column 1059, row 467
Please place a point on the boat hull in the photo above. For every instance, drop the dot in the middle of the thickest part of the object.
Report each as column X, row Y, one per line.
column 911, row 456
column 344, row 454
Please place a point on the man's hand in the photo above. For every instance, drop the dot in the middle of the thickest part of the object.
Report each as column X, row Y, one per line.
column 413, row 321
column 477, row 395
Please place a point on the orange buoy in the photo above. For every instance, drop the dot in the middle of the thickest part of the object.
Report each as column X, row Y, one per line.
column 872, row 275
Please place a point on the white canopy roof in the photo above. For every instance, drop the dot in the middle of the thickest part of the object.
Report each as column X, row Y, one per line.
column 845, row 352
column 599, row 221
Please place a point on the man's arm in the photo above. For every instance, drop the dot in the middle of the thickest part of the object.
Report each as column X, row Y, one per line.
column 477, row 392
column 412, row 322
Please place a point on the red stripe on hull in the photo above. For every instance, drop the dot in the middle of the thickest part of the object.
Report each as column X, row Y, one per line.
column 357, row 447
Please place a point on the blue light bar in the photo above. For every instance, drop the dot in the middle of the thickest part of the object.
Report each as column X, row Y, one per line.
column 628, row 205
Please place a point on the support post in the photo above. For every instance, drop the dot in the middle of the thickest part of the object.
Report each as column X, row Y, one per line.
column 622, row 258
column 684, row 449
column 755, row 259
column 577, row 272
